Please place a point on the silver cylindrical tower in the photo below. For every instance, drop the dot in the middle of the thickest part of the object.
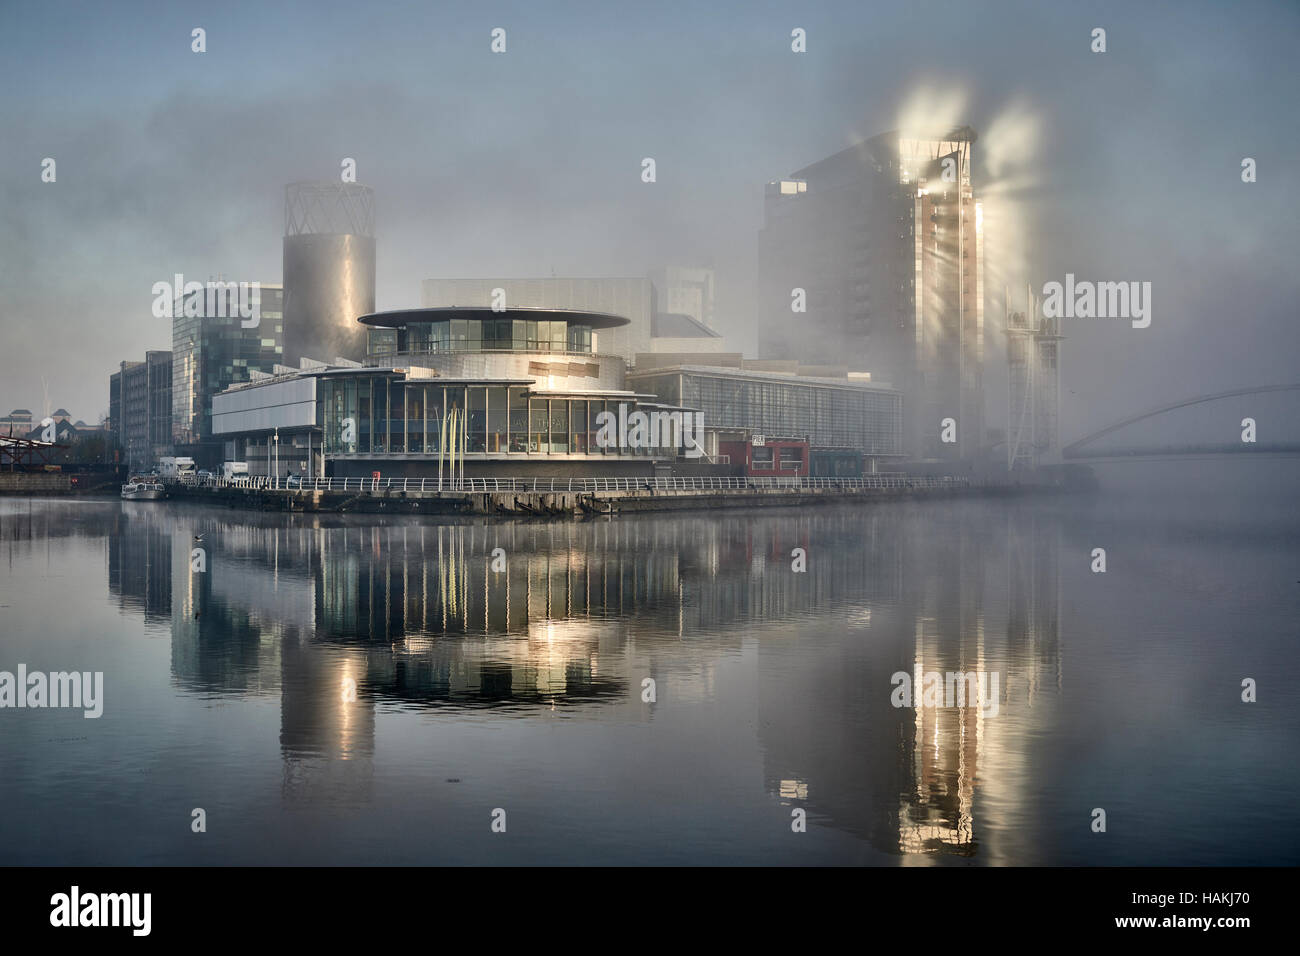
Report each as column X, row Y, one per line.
column 329, row 269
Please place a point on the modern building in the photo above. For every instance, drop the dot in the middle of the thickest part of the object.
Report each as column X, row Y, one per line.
column 829, row 413
column 632, row 298
column 673, row 332
column 520, row 392
column 140, row 409
column 211, row 352
column 874, row 257
column 685, row 290
column 329, row 269
column 272, row 422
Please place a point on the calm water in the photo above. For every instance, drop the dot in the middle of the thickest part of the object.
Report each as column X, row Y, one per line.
column 522, row 689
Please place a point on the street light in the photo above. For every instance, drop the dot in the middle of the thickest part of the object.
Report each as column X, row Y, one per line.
column 276, row 473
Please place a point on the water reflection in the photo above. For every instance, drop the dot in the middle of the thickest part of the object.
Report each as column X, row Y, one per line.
column 414, row 617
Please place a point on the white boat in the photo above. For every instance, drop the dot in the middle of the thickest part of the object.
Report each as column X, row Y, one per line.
column 144, row 489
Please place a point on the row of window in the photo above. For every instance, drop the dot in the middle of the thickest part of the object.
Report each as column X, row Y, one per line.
column 831, row 417
column 473, row 335
column 365, row 415
column 761, row 458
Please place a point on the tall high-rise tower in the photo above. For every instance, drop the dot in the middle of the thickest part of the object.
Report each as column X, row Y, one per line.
column 329, row 269
column 885, row 242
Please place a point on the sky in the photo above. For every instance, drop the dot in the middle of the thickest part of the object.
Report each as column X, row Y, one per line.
column 1122, row 165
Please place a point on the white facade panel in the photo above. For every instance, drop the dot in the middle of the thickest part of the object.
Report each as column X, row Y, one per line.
column 286, row 404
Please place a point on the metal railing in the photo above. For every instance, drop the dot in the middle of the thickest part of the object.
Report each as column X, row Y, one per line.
column 588, row 485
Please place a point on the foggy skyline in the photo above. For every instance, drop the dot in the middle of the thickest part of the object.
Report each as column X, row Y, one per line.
column 1115, row 167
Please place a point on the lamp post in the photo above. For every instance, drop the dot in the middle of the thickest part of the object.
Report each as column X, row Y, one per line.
column 276, row 473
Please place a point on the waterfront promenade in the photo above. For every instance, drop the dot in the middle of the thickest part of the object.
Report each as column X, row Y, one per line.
column 560, row 496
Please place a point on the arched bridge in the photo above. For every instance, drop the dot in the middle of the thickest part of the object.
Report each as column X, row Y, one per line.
column 1088, row 447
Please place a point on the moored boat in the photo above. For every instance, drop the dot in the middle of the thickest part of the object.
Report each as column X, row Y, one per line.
column 144, row 489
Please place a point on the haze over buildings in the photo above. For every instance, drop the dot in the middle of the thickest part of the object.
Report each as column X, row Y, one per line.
column 874, row 257
column 528, row 163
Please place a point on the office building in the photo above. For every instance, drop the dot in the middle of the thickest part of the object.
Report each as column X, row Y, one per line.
column 874, row 257
column 140, row 409
column 831, row 413
column 211, row 352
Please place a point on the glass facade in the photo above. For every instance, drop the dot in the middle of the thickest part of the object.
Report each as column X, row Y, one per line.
column 828, row 415
column 487, row 335
column 380, row 414
column 209, row 354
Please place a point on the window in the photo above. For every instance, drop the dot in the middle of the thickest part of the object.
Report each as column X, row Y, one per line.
column 414, row 417
column 418, row 334
column 539, row 434
column 594, row 408
column 579, row 338
column 360, row 407
column 497, row 421
column 397, row 416
column 460, row 334
column 381, row 341
column 578, row 427
column 518, row 418
column 379, row 430
column 477, row 437
column 435, row 418
column 762, row 459
column 559, row 426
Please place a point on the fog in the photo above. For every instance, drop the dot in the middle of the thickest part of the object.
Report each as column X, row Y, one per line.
column 1123, row 165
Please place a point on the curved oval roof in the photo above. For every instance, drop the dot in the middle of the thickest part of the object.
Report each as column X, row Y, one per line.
column 398, row 318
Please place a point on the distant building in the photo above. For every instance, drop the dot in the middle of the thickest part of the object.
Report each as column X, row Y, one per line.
column 828, row 411
column 885, row 240
column 685, row 290
column 676, row 332
column 17, row 422
column 211, row 353
column 140, row 409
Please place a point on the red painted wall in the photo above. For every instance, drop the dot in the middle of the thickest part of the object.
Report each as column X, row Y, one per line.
column 742, row 453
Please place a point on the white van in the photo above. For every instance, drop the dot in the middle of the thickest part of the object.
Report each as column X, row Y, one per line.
column 176, row 467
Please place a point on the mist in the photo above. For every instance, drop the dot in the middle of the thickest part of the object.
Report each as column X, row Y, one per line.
column 1123, row 165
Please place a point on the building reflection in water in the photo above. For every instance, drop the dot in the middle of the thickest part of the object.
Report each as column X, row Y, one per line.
column 907, row 779
column 415, row 618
